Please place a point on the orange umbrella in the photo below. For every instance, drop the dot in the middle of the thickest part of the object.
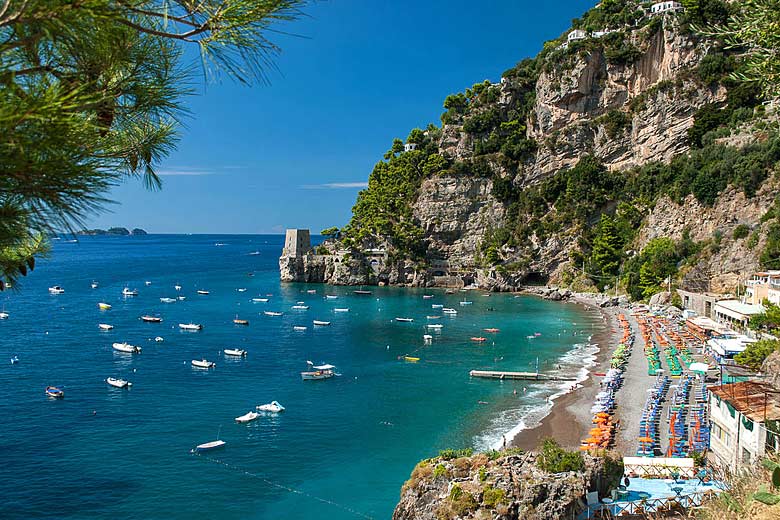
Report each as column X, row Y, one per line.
column 602, row 414
column 600, row 420
column 592, row 440
column 645, row 439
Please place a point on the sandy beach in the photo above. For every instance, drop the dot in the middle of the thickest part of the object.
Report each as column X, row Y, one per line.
column 570, row 417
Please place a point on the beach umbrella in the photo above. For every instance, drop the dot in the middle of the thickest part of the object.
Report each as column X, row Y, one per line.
column 699, row 367
column 645, row 439
column 602, row 414
column 592, row 440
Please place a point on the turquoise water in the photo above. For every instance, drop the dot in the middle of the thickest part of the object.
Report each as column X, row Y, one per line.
column 344, row 445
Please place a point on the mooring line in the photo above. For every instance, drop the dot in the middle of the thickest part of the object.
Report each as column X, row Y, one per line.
column 286, row 488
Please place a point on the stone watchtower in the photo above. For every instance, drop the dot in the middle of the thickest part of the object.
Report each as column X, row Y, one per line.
column 297, row 242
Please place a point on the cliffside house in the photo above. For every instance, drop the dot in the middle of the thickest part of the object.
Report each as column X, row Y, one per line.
column 701, row 303
column 297, row 242
column 408, row 147
column 763, row 286
column 735, row 313
column 599, row 34
column 665, row 7
column 724, row 347
column 744, row 423
column 577, row 34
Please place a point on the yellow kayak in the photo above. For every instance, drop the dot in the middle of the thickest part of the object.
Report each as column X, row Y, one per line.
column 411, row 359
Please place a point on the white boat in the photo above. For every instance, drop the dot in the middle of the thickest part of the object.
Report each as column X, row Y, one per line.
column 273, row 407
column 104, row 306
column 177, row 287
column 427, row 338
column 168, row 300
column 151, row 319
column 341, row 309
column 181, row 298
column 331, row 296
column 447, row 310
column 299, row 327
column 203, row 363
column 321, row 323
column 405, row 320
column 254, row 253
column 236, row 352
column 247, row 417
column 208, row 446
column 432, row 317
column 147, row 282
column 119, row 383
column 427, row 296
column 190, row 326
column 464, row 302
column 316, row 372
column 436, row 306
column 201, row 291
column 159, row 339
column 56, row 290
column 300, row 307
column 312, row 291
column 125, row 347
column 259, row 300
column 105, row 326
column 129, row 292
column 435, row 326
column 272, row 313
column 241, row 289
column 4, row 315
column 94, row 285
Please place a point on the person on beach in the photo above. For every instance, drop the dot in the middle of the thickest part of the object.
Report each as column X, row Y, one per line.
column 503, row 439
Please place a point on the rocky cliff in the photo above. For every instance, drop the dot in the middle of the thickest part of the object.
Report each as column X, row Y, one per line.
column 479, row 196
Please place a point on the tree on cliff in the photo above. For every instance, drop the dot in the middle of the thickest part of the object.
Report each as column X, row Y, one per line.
column 91, row 94
column 607, row 250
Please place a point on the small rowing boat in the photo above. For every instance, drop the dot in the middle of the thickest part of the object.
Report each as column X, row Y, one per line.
column 105, row 326
column 168, row 300
column 201, row 291
column 259, row 300
column 432, row 317
column 405, row 320
column 104, row 306
column 478, row 339
column 55, row 392
column 361, row 292
column 341, row 309
column 238, row 321
column 118, row 383
column 235, row 352
column 190, row 326
column 299, row 327
column 127, row 348
column 436, row 306
column 272, row 313
column 247, row 417
column 321, row 323
column 491, row 330
column 300, row 307
column 203, row 363
column 208, row 446
column 411, row 359
column 151, row 319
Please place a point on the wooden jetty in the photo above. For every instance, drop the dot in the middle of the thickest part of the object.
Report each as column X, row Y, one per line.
column 527, row 376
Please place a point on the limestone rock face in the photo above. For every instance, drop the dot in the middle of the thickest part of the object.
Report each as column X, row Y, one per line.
column 771, row 369
column 510, row 487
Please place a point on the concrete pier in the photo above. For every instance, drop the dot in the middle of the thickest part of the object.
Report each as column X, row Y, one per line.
column 526, row 376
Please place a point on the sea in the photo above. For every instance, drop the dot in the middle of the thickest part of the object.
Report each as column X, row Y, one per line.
column 342, row 448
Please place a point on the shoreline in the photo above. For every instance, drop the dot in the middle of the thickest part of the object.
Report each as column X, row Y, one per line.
column 569, row 419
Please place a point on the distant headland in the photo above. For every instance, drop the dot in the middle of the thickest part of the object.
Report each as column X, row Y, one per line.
column 112, row 231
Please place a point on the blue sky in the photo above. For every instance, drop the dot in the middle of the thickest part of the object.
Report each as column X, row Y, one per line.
column 359, row 73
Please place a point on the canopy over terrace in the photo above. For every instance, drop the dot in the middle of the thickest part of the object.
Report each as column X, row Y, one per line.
column 759, row 402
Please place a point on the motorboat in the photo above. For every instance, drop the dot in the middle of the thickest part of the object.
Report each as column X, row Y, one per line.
column 190, row 326
column 491, row 329
column 321, row 323
column 300, row 307
column 55, row 392
column 259, row 300
column 56, row 290
column 158, row 339
column 181, row 298
column 168, row 300
column 247, row 417
column 433, row 317
column 312, row 291
column 427, row 338
column 436, row 306
column 129, row 292
column 272, row 313
column 125, row 347
column 331, row 296
column 411, row 359
column 427, row 296
column 299, row 327
column 105, row 326
column 177, row 287
column 201, row 291
column 235, row 352
column 203, row 363
column 435, row 326
column 14, row 360
column 208, row 446
column 118, row 383
column 4, row 315
column 447, row 310
column 405, row 320
column 151, row 319
column 273, row 407
column 104, row 306
column 317, row 372
column 94, row 284
column 341, row 309
column 464, row 302
column 361, row 292
column 147, row 283
column 238, row 321
column 478, row 339
column 254, row 253
column 241, row 289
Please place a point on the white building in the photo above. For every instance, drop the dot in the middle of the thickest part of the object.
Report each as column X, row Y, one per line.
column 599, row 34
column 726, row 346
column 665, row 7
column 739, row 416
column 408, row 147
column 763, row 286
column 577, row 34
column 735, row 313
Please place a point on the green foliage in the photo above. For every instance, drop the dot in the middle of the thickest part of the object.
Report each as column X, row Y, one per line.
column 440, row 471
column 618, row 49
column 450, row 454
column 609, row 14
column 752, row 242
column 330, row 232
column 769, row 320
column 706, row 11
column 492, row 496
column 482, row 474
column 755, row 353
column 461, row 502
column 770, row 256
column 741, row 231
column 715, row 67
column 92, row 93
column 555, row 459
column 607, row 251
column 615, row 122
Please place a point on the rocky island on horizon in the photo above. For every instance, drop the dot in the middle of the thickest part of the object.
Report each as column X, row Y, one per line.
column 118, row 231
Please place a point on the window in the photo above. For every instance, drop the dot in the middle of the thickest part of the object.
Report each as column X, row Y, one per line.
column 746, row 456
column 722, row 435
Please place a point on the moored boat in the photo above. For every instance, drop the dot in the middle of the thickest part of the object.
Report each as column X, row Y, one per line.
column 203, row 363
column 447, row 310
column 427, row 296
column 235, row 352
column 247, row 417
column 317, row 372
column 312, row 291
column 14, row 360
column 208, row 446
column 341, row 309
column 147, row 283
column 177, row 287
column 464, row 302
column 105, row 326
column 331, row 296
column 168, row 300
column 411, row 359
column 241, row 289
column 361, row 292
column 435, row 326
column 151, row 319
column 319, row 323
column 118, row 383
column 104, row 306
column 201, row 291
column 55, row 392
column 300, row 307
column 125, row 347
column 299, row 327
column 433, row 317
column 238, row 321
column 94, row 284
column 478, row 339
column 405, row 320
column 129, row 292
column 4, row 315
column 273, row 407
column 158, row 339
column 436, row 306
column 491, row 329
column 272, row 313
column 190, row 326
column 56, row 290
column 259, row 300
